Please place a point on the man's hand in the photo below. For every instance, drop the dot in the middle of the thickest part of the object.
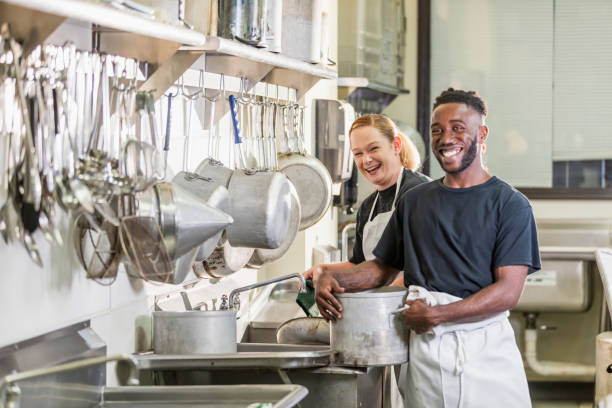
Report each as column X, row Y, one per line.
column 328, row 305
column 498, row 297
column 419, row 316
column 313, row 273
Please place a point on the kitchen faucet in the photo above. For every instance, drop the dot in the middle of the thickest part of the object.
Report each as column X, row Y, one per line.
column 234, row 300
column 10, row 391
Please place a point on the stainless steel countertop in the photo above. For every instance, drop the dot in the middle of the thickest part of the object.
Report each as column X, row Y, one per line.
column 260, row 355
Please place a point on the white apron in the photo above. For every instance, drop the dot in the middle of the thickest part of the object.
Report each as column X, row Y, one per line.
column 372, row 231
column 465, row 365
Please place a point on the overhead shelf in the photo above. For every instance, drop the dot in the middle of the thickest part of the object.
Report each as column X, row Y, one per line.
column 232, row 58
column 132, row 35
column 367, row 96
column 361, row 82
column 217, row 46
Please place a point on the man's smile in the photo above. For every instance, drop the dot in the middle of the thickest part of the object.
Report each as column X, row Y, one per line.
column 450, row 152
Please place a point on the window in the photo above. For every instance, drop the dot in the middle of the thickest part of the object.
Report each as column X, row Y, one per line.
column 545, row 69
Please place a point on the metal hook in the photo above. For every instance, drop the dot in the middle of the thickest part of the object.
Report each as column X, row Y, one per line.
column 289, row 94
column 115, row 66
column 277, row 99
column 202, row 84
column 260, row 99
column 222, row 85
column 172, row 95
column 184, row 92
column 201, row 80
column 242, row 98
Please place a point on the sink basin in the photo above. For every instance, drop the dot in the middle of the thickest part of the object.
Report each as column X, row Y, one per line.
column 260, row 332
column 74, row 395
column 285, row 291
column 279, row 308
column 252, row 355
column 229, row 396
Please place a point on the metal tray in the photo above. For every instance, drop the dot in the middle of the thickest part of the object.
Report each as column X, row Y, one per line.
column 259, row 355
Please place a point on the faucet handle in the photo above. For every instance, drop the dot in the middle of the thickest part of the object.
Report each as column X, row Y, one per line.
column 224, row 303
column 236, row 305
column 303, row 284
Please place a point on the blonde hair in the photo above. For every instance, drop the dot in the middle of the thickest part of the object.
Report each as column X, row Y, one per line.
column 409, row 155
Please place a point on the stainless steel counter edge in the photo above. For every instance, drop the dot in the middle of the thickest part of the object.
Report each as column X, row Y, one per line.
column 287, row 359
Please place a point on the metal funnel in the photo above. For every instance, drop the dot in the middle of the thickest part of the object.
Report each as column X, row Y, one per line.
column 186, row 220
column 213, row 194
column 183, row 266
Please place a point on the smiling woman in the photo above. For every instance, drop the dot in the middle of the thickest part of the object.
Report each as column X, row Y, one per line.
column 389, row 161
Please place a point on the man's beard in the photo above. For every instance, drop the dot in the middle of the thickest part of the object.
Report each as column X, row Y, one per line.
column 467, row 160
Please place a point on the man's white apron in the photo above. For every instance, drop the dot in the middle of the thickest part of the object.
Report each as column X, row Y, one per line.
column 465, row 365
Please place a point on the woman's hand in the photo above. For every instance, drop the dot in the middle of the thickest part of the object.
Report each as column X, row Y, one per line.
column 314, row 273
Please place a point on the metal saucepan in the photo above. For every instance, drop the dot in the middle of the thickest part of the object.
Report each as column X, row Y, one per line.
column 262, row 256
column 221, row 257
column 309, row 176
column 194, row 332
column 261, row 202
column 218, row 256
column 260, row 206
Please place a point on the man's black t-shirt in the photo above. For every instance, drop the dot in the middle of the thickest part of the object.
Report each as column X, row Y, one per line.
column 384, row 203
column 452, row 239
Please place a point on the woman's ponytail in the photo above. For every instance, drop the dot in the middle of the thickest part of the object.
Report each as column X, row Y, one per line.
column 409, row 155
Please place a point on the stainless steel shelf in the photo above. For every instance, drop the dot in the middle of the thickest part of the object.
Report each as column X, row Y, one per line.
column 232, row 58
column 360, row 82
column 121, row 32
column 217, row 46
column 367, row 96
column 106, row 16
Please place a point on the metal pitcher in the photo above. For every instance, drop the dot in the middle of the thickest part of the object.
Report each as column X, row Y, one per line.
column 244, row 20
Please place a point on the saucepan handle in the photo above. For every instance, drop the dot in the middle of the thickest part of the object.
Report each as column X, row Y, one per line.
column 235, row 124
column 237, row 139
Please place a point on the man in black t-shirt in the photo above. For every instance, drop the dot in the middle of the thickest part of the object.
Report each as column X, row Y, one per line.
column 466, row 243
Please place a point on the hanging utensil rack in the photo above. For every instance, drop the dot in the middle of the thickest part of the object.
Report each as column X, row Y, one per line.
column 169, row 50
